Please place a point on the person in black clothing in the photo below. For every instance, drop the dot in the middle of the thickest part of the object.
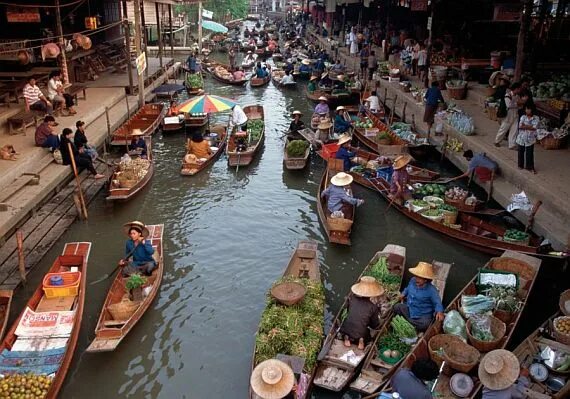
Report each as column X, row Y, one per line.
column 80, row 140
column 296, row 125
column 82, row 160
column 138, row 144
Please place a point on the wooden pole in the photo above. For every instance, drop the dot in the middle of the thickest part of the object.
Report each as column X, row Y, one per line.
column 171, row 30
column 128, row 110
column 137, row 9
column 200, row 27
column 524, row 28
column 159, row 33
column 145, row 36
column 127, row 29
column 82, row 214
column 21, row 259
column 64, row 73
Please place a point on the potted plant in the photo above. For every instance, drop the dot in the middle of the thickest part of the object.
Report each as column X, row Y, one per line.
column 134, row 287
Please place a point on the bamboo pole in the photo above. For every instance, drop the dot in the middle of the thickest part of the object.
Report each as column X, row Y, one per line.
column 82, row 214
column 144, row 34
column 127, row 29
column 64, row 72
column 21, row 259
column 171, row 30
column 159, row 33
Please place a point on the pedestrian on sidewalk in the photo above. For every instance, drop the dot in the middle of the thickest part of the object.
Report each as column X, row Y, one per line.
column 82, row 160
column 526, row 138
column 372, row 64
column 509, row 125
column 353, row 42
column 415, row 54
column 364, row 54
column 422, row 62
column 433, row 97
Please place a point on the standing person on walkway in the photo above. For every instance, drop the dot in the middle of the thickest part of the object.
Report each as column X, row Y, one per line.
column 509, row 125
column 353, row 42
column 478, row 163
column 372, row 64
column 526, row 138
column 82, row 160
column 364, row 54
column 422, row 63
column 433, row 97
column 415, row 54
column 232, row 58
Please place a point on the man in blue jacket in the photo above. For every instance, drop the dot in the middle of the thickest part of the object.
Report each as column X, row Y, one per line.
column 139, row 249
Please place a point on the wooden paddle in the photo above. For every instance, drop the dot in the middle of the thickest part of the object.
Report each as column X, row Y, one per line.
column 106, row 276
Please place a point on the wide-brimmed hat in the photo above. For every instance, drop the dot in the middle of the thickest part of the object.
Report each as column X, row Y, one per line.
column 340, row 108
column 324, row 125
column 137, row 132
column 50, row 50
column 324, row 75
column 306, row 62
column 297, row 112
column 367, row 287
column 341, row 179
column 272, row 379
column 423, row 270
column 322, row 98
column 345, row 138
column 24, row 57
column 499, row 369
column 401, row 161
column 139, row 226
column 313, row 77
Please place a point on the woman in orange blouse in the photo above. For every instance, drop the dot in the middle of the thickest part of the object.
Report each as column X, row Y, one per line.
column 198, row 146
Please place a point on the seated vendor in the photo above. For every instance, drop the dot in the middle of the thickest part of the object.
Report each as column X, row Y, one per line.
column 344, row 152
column 502, row 377
column 287, row 79
column 273, row 379
column 339, row 85
column 362, row 313
column 422, row 298
column 409, row 382
column 173, row 109
column 322, row 107
column 198, row 146
column 238, row 75
column 338, row 199
column 337, row 67
column 341, row 125
column 312, row 86
column 139, row 249
column 305, row 67
column 138, row 144
column 319, row 66
column 325, row 80
column 296, row 124
column 399, row 190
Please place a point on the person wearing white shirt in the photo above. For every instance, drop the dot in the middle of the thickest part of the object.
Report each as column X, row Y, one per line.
column 56, row 94
column 238, row 117
column 373, row 102
column 287, row 79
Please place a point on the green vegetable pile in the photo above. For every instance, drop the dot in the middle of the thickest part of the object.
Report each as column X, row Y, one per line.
column 393, row 342
column 255, row 128
column 364, row 123
column 515, row 235
column 194, row 81
column 446, row 207
column 557, row 86
column 389, row 281
column 297, row 148
column 505, row 298
column 480, row 333
column 402, row 327
column 384, row 135
column 420, row 203
column 293, row 330
column 436, row 190
column 432, row 212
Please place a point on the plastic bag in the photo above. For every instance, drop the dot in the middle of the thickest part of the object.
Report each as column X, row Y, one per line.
column 476, row 304
column 481, row 328
column 454, row 324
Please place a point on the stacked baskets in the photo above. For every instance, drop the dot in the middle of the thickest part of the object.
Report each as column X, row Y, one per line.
column 457, row 89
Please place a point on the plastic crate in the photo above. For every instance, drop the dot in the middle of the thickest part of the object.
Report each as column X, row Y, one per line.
column 385, row 173
column 329, row 150
column 70, row 286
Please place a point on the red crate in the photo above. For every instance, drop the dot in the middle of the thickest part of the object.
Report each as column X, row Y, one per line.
column 329, row 150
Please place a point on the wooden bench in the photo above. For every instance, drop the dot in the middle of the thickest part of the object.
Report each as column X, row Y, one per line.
column 21, row 121
column 75, row 89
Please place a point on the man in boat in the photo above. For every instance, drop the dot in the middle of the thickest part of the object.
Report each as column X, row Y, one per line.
column 338, row 199
column 399, row 190
column 362, row 312
column 502, row 377
column 191, row 62
column 422, row 298
column 341, row 125
column 480, row 164
column 249, row 58
column 322, row 107
column 238, row 117
column 344, row 152
column 238, row 75
column 287, row 79
column 273, row 379
column 305, row 67
column 337, row 67
column 312, row 86
column 139, row 249
column 260, row 73
column 319, row 66
column 198, row 146
column 296, row 125
column 325, row 80
column 409, row 383
column 138, row 144
column 232, row 59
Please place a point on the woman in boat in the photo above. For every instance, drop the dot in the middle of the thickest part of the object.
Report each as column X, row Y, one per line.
column 287, row 79
column 273, row 379
column 139, row 249
column 325, row 82
column 422, row 298
column 249, row 59
column 312, row 86
column 82, row 160
column 341, row 125
column 337, row 67
column 344, row 152
column 362, row 312
column 138, row 144
column 409, row 383
column 296, row 125
column 238, row 75
column 173, row 109
column 198, row 146
column 501, row 376
column 238, row 117
column 399, row 190
column 260, row 73
column 338, row 199
column 322, row 107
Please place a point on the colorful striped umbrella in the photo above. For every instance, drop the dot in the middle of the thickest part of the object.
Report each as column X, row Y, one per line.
column 206, row 104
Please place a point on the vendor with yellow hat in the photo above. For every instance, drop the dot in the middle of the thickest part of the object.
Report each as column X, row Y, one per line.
column 399, row 190
column 362, row 313
column 296, row 125
column 344, row 152
column 312, row 86
column 138, row 145
column 273, row 379
column 322, row 107
column 338, row 199
column 422, row 298
column 138, row 250
column 501, row 376
column 341, row 125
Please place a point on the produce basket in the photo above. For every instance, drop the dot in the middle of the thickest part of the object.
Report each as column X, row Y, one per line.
column 436, row 218
column 562, row 337
column 461, row 357
column 70, row 286
column 339, row 224
column 449, row 217
column 492, row 112
column 552, row 143
column 457, row 92
column 123, row 310
column 433, row 201
column 564, row 298
column 518, row 242
column 288, row 293
column 498, row 330
column 441, row 342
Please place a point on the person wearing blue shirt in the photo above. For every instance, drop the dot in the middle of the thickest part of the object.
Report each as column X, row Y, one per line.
column 138, row 145
column 320, row 65
column 409, row 382
column 191, row 62
column 433, row 97
column 422, row 298
column 341, row 125
column 477, row 161
column 259, row 72
column 138, row 251
column 338, row 199
column 344, row 153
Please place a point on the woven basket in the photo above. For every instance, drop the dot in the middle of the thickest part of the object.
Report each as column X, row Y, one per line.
column 559, row 336
column 492, row 112
column 339, row 224
column 449, row 217
column 457, row 93
column 489, row 91
column 288, row 293
column 552, row 143
column 498, row 329
column 123, row 310
column 565, row 296
column 440, row 341
column 504, row 316
column 460, row 357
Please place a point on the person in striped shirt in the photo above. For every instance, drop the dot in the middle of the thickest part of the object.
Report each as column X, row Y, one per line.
column 35, row 98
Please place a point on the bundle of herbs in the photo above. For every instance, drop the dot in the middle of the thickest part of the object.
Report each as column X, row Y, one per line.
column 293, row 330
column 255, row 128
column 389, row 281
column 297, row 148
column 505, row 298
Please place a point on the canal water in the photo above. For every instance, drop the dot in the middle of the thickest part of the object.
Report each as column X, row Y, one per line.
column 228, row 236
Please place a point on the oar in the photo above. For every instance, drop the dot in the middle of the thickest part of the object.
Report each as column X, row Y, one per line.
column 106, row 276
column 437, row 379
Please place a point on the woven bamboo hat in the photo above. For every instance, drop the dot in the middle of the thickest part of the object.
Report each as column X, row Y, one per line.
column 272, row 379
column 297, row 112
column 306, row 62
column 367, row 287
column 423, row 270
column 324, row 125
column 322, row 98
column 401, row 161
column 139, row 226
column 345, row 138
column 340, row 108
column 50, row 50
column 313, row 78
column 499, row 369
column 24, row 57
column 137, row 132
column 341, row 179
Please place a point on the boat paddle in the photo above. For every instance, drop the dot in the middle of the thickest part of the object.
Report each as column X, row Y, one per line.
column 106, row 276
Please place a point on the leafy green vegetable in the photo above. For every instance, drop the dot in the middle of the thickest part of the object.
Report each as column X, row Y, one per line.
column 393, row 342
column 446, row 207
column 515, row 235
column 380, row 272
column 297, row 148
column 255, row 128
column 194, row 81
column 135, row 281
column 402, row 327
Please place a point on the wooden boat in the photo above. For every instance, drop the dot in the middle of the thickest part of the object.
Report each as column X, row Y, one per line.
column 332, row 372
column 195, row 120
column 193, row 89
column 147, row 119
column 216, row 69
column 219, row 142
column 258, row 82
column 376, row 372
column 5, row 305
column 172, row 123
column 121, row 189
column 240, row 149
column 303, row 264
column 34, row 338
column 333, row 99
column 248, row 64
column 526, row 267
column 109, row 331
column 277, row 76
column 292, row 163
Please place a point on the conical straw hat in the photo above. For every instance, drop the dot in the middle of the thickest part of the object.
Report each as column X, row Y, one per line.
column 423, row 270
column 137, row 132
column 341, row 179
column 367, row 287
column 345, row 138
column 499, row 369
column 272, row 379
column 140, row 226
column 401, row 161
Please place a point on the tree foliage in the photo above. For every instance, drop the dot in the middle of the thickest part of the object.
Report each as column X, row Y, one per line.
column 222, row 9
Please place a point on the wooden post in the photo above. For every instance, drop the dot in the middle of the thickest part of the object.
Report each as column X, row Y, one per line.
column 159, row 34
column 199, row 27
column 128, row 109
column 404, row 112
column 137, row 9
column 127, row 29
column 171, row 30
column 21, row 259
column 524, row 28
column 145, row 37
column 64, row 73
column 82, row 214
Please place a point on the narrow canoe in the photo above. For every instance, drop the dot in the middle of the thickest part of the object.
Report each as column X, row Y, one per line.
column 110, row 332
column 147, row 119
column 526, row 267
column 332, row 372
column 5, row 305
column 75, row 254
column 189, row 169
column 304, row 263
column 216, row 75
column 259, row 82
column 292, row 163
column 245, row 157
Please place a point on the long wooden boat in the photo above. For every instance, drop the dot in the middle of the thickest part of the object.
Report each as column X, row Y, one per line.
column 292, row 163
column 147, row 119
column 303, row 264
column 109, row 332
column 24, row 347
column 243, row 157
column 194, row 90
column 334, row 373
column 123, row 190
column 215, row 72
column 526, row 268
column 277, row 76
column 5, row 305
column 376, row 372
column 333, row 99
column 219, row 142
column 259, row 82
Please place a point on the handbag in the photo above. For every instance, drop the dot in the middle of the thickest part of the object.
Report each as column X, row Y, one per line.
column 57, row 156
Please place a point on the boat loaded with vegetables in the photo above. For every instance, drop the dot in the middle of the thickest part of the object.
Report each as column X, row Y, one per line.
column 480, row 319
column 194, row 84
column 243, row 146
column 296, row 153
column 337, row 364
column 291, row 326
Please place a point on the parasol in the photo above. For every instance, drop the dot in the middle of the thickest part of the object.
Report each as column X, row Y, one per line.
column 214, row 26
column 206, row 104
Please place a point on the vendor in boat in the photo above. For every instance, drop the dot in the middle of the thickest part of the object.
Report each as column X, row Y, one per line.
column 260, row 73
column 502, row 377
column 238, row 117
column 305, row 67
column 482, row 165
column 139, row 249
column 287, row 79
column 173, row 109
column 232, row 59
column 320, row 66
column 422, row 298
column 344, row 152
column 362, row 312
column 399, row 190
column 337, row 67
column 312, row 86
column 353, row 82
column 138, row 144
column 191, row 62
column 238, row 75
column 338, row 199
column 271, row 45
column 322, row 107
column 409, row 383
column 272, row 379
column 373, row 102
column 296, row 125
column 198, row 146
column 341, row 125
column 339, row 85
column 325, row 80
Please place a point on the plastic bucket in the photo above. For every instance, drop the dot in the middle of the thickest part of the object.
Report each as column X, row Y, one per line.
column 56, row 280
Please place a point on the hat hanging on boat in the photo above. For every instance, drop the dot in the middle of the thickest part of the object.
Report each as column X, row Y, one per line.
column 272, row 379
column 137, row 132
column 345, row 138
column 138, row 226
column 340, row 108
column 306, row 62
column 313, row 78
column 423, row 270
column 367, row 287
column 499, row 369
column 341, row 179
column 296, row 112
column 24, row 57
column 322, row 98
column 324, row 125
column 86, row 43
column 50, row 50
column 401, row 161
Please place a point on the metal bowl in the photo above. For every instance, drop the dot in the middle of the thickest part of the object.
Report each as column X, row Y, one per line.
column 555, row 384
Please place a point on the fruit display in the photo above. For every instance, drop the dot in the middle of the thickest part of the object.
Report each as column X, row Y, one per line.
column 433, row 189
column 364, row 123
column 24, row 386
column 557, row 87
column 447, row 208
column 454, row 145
column 456, row 194
column 562, row 324
column 515, row 235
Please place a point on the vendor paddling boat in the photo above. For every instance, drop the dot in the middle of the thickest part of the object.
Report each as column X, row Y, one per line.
column 192, row 165
column 302, row 269
column 335, row 368
column 42, row 340
column 277, row 77
column 147, row 119
column 249, row 63
column 512, row 269
column 120, row 314
column 294, row 161
column 259, row 82
column 243, row 146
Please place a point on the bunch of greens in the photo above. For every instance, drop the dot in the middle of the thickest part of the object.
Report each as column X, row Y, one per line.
column 384, row 135
column 505, row 298
column 447, row 207
column 194, row 81
column 403, row 328
column 393, row 342
column 135, row 281
column 515, row 235
column 293, row 330
column 255, row 128
column 380, row 272
column 297, row 148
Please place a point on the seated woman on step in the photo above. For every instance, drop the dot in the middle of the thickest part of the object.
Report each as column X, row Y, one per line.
column 138, row 251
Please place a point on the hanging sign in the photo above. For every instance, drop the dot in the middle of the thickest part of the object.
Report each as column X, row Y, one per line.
column 507, row 12
column 23, row 15
column 91, row 23
column 207, row 14
column 419, row 5
column 141, row 63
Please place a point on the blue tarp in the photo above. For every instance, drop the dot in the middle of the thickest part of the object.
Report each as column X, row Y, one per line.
column 37, row 362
